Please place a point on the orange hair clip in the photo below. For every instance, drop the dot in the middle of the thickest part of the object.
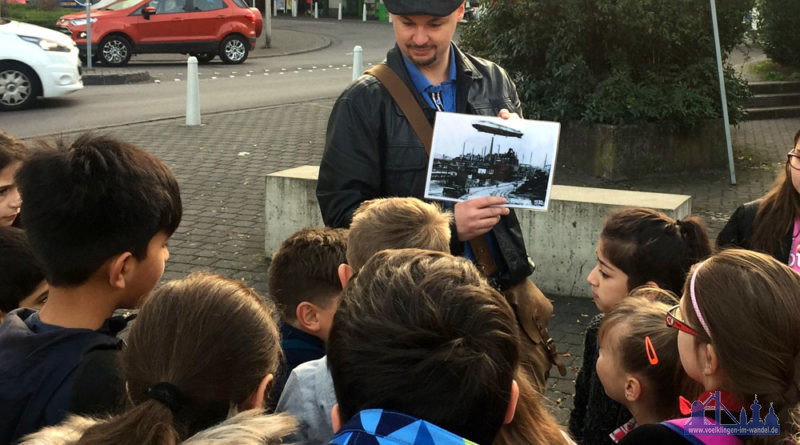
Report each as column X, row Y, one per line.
column 651, row 351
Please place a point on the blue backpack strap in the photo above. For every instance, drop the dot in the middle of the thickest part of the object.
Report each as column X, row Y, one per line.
column 679, row 427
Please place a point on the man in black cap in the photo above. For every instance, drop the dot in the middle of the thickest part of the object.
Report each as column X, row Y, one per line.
column 374, row 150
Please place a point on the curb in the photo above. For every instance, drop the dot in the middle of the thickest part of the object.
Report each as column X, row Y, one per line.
column 116, row 78
column 326, row 42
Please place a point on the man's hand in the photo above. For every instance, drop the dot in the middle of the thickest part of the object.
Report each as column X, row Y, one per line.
column 477, row 216
column 505, row 114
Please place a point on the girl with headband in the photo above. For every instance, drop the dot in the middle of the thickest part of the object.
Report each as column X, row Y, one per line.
column 771, row 224
column 738, row 324
column 203, row 349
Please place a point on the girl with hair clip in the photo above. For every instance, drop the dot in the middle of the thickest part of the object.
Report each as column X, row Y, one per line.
column 637, row 247
column 771, row 224
column 203, row 349
column 638, row 361
column 738, row 337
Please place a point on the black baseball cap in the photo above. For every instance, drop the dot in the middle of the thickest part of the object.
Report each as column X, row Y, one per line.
column 439, row 8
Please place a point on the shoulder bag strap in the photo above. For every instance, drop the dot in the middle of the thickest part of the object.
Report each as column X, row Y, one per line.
column 405, row 100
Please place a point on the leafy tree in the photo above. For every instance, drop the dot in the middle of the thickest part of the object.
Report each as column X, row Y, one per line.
column 779, row 29
column 614, row 61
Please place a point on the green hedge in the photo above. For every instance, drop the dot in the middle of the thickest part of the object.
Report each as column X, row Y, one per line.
column 779, row 29
column 34, row 14
column 614, row 61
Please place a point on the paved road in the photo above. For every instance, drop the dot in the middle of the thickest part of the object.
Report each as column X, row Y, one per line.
column 258, row 82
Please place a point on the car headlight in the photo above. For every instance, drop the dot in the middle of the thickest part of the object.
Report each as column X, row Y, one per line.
column 47, row 45
column 81, row 22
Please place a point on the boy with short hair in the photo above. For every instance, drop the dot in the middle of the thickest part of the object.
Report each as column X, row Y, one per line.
column 422, row 351
column 378, row 224
column 303, row 281
column 22, row 281
column 98, row 214
column 396, row 223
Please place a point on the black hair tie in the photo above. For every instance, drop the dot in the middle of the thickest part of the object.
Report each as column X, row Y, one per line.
column 166, row 393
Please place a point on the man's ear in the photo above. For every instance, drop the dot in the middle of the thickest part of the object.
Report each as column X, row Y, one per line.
column 119, row 269
column 633, row 388
column 307, row 315
column 336, row 420
column 512, row 403
column 256, row 399
column 345, row 273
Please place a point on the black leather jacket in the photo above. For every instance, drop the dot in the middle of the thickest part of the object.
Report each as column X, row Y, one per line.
column 739, row 229
column 371, row 151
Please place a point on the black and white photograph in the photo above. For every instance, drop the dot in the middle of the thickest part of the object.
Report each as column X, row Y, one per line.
column 474, row 156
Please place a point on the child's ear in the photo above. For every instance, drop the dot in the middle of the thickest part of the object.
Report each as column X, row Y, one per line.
column 256, row 399
column 345, row 273
column 307, row 315
column 633, row 388
column 711, row 361
column 336, row 420
column 512, row 403
column 652, row 284
column 119, row 269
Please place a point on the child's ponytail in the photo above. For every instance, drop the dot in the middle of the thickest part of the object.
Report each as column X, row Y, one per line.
column 149, row 422
column 650, row 246
column 200, row 347
column 695, row 237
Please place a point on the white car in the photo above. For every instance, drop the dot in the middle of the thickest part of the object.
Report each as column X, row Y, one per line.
column 35, row 61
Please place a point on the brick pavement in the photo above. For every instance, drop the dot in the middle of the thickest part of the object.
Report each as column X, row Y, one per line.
column 221, row 167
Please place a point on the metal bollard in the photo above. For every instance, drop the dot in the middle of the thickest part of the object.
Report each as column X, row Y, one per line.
column 358, row 61
column 340, row 11
column 192, row 93
column 364, row 13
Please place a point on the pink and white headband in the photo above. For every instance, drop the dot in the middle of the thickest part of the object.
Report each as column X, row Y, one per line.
column 694, row 300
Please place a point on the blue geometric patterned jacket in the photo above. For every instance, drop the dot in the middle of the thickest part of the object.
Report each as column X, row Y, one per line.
column 380, row 427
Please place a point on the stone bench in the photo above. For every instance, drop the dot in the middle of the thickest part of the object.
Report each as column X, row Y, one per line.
column 561, row 241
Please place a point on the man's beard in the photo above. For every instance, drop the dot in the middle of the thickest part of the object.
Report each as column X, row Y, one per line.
column 420, row 63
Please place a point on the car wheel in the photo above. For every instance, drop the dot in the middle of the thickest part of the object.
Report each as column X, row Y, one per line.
column 114, row 50
column 18, row 85
column 203, row 57
column 233, row 49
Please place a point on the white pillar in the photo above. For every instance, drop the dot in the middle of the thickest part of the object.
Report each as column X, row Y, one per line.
column 294, row 8
column 192, row 93
column 358, row 60
column 316, row 10
column 364, row 13
column 340, row 11
column 275, row 8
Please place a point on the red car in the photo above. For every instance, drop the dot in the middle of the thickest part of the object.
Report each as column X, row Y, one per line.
column 203, row 28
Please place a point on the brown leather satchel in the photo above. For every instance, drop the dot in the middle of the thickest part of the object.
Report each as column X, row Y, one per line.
column 532, row 309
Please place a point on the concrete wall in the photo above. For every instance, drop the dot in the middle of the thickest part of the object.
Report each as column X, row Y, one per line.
column 560, row 241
